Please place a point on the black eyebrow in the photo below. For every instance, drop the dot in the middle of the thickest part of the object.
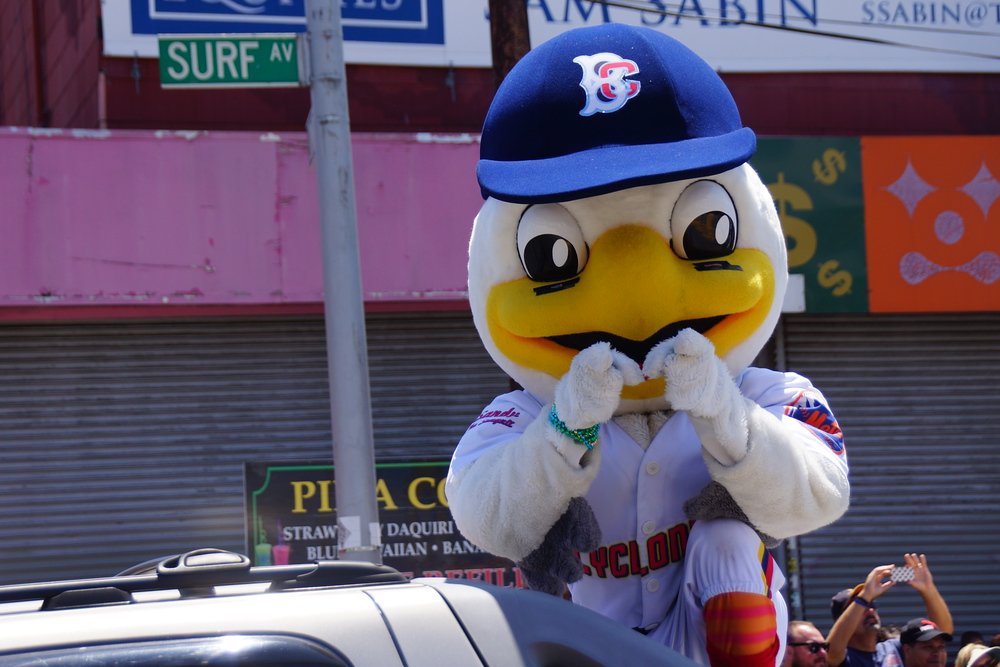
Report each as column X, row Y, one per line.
column 556, row 287
column 717, row 265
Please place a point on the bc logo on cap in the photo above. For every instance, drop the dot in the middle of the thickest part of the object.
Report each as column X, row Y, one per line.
column 604, row 82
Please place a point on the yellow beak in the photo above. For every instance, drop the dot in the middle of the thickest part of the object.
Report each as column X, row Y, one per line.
column 634, row 293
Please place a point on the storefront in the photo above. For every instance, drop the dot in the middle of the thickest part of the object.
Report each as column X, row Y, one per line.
column 154, row 342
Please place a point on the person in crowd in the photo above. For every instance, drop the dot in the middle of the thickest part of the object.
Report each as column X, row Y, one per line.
column 854, row 637
column 888, row 631
column 805, row 646
column 924, row 644
column 977, row 655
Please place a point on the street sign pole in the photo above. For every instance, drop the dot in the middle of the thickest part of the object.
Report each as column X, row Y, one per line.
column 358, row 534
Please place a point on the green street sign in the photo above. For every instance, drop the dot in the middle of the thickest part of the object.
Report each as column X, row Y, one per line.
column 232, row 61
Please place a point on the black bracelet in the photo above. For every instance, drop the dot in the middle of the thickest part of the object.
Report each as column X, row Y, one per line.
column 861, row 601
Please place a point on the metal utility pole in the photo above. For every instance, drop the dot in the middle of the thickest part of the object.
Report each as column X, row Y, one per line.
column 358, row 535
column 509, row 37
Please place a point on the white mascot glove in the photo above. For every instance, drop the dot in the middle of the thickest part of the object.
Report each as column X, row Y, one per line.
column 699, row 383
column 586, row 396
column 588, row 393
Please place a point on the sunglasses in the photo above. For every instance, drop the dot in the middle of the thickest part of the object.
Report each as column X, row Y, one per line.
column 814, row 647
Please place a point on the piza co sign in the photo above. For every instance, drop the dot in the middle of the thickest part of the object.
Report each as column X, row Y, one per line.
column 232, row 61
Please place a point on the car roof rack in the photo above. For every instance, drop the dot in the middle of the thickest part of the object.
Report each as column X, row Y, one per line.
column 196, row 572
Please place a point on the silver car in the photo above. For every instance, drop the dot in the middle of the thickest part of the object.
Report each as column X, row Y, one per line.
column 211, row 607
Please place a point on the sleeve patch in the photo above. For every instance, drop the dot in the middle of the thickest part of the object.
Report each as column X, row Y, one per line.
column 812, row 412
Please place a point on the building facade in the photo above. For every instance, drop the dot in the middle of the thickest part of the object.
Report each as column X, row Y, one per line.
column 161, row 308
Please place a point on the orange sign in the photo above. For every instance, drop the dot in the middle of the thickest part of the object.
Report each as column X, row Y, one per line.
column 932, row 223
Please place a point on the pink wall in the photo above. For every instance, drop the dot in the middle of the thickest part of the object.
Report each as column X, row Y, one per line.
column 97, row 218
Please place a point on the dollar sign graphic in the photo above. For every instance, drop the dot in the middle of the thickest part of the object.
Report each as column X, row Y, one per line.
column 833, row 164
column 829, row 277
column 799, row 234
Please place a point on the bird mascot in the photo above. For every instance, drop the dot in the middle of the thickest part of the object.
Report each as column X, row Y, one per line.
column 625, row 269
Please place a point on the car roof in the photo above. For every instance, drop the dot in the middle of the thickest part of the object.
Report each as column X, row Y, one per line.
column 204, row 604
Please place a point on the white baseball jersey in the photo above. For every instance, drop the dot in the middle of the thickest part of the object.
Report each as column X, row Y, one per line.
column 651, row 557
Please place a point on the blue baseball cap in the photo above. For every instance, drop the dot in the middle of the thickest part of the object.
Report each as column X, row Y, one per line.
column 606, row 107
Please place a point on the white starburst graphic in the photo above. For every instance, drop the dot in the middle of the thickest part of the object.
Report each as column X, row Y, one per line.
column 983, row 189
column 910, row 189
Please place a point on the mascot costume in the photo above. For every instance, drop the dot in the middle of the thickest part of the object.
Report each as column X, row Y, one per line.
column 625, row 269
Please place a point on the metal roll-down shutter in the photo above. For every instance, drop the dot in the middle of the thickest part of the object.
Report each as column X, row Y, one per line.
column 123, row 441
column 917, row 398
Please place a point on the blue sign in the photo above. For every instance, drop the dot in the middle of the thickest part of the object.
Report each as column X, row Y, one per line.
column 404, row 21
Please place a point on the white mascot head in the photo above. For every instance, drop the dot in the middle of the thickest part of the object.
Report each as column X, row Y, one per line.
column 620, row 208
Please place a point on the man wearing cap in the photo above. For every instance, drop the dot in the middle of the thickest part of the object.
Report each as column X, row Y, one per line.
column 854, row 636
column 924, row 644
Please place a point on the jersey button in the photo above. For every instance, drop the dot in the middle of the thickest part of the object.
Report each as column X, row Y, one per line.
column 652, row 468
column 653, row 585
column 648, row 527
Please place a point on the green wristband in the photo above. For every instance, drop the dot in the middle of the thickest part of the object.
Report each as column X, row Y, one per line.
column 585, row 436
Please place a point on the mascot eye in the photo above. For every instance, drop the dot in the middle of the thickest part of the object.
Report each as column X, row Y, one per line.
column 550, row 243
column 703, row 224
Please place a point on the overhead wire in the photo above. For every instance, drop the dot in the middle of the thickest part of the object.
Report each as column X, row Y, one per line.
column 857, row 24
column 653, row 9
